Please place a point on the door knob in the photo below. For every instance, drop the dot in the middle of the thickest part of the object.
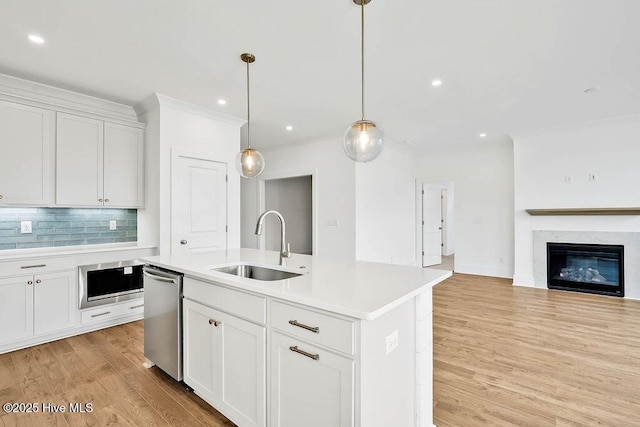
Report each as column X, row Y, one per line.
column 183, row 242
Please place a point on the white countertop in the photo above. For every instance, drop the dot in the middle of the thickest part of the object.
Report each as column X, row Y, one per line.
column 359, row 289
column 17, row 254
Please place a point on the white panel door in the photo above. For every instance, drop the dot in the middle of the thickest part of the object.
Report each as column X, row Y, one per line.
column 241, row 365
column 198, row 205
column 198, row 348
column 123, row 166
column 306, row 391
column 16, row 308
column 25, row 138
column 431, row 225
column 79, row 161
column 54, row 301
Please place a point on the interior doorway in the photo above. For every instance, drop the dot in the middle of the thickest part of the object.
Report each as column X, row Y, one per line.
column 293, row 198
column 437, row 224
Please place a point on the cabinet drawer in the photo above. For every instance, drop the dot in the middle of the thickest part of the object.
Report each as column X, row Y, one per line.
column 238, row 303
column 110, row 311
column 324, row 329
column 36, row 265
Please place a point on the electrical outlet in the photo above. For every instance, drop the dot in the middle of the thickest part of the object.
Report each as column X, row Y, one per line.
column 593, row 177
column 25, row 227
column 568, row 179
column 112, row 225
column 392, row 341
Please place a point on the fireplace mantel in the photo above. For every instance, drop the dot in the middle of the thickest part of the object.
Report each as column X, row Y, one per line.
column 584, row 211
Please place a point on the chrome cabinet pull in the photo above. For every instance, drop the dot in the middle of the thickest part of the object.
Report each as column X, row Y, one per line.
column 0, row 196
column 295, row 349
column 38, row 281
column 313, row 329
column 136, row 306
column 33, row 266
column 214, row 322
column 101, row 314
column 106, row 200
column 183, row 242
column 100, row 200
column 30, row 282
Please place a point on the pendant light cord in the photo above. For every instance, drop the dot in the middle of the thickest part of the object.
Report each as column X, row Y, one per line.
column 362, row 53
column 248, row 111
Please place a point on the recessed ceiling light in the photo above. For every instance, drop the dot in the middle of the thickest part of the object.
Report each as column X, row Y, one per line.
column 36, row 39
column 436, row 82
column 222, row 101
column 289, row 127
column 483, row 135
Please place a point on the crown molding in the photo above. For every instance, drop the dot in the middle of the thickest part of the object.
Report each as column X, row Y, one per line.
column 37, row 94
column 158, row 100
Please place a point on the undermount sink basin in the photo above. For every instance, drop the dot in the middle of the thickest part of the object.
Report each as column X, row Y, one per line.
column 257, row 273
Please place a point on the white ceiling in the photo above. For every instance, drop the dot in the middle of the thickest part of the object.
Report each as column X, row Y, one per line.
column 508, row 66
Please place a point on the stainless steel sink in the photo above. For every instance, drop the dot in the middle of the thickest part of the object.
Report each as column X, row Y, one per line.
column 256, row 272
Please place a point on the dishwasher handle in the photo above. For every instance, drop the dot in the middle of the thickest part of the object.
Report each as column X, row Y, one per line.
column 159, row 278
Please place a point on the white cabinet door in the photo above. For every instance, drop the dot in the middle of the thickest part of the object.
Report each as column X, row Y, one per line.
column 79, row 161
column 25, row 138
column 123, row 166
column 310, row 386
column 16, row 308
column 54, row 301
column 241, row 364
column 198, row 348
column 198, row 205
column 224, row 363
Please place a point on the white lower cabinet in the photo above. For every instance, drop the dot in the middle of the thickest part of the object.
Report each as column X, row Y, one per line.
column 310, row 386
column 225, row 362
column 36, row 304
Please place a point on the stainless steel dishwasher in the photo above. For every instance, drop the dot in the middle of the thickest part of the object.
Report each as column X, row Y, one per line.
column 163, row 319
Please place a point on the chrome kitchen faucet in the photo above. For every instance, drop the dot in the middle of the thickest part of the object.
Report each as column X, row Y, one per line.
column 285, row 248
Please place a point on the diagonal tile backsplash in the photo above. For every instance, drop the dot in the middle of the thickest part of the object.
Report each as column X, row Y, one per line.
column 66, row 227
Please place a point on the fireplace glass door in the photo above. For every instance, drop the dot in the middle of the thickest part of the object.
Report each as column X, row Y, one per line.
column 586, row 268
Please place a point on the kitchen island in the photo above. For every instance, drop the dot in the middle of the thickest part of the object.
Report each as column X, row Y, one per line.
column 343, row 343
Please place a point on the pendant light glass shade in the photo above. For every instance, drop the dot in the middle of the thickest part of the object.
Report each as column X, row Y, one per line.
column 249, row 163
column 363, row 140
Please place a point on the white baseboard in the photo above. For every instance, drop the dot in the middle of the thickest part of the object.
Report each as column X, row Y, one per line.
column 523, row 280
column 483, row 270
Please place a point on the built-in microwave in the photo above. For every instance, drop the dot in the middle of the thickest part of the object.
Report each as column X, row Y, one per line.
column 108, row 283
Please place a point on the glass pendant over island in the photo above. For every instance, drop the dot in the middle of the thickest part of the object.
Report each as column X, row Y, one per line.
column 249, row 162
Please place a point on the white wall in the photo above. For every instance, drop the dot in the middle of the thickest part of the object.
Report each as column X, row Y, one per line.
column 483, row 211
column 386, row 208
column 176, row 124
column 292, row 198
column 334, row 193
column 610, row 149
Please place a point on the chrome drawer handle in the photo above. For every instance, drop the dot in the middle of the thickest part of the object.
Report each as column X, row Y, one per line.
column 136, row 306
column 313, row 329
column 101, row 314
column 38, row 281
column 295, row 349
column 33, row 266
column 214, row 322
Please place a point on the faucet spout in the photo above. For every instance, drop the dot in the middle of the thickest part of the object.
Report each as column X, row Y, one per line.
column 285, row 248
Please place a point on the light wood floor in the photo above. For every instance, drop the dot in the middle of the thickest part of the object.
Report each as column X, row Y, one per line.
column 513, row 356
column 105, row 368
column 503, row 356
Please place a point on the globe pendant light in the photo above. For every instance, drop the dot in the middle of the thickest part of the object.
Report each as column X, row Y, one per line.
column 249, row 162
column 363, row 140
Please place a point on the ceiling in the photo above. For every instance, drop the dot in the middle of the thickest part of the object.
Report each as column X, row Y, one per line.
column 507, row 66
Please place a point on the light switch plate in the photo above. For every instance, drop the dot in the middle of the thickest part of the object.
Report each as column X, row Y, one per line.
column 25, row 227
column 112, row 225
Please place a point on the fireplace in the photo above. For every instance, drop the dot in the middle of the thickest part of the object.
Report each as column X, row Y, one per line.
column 592, row 268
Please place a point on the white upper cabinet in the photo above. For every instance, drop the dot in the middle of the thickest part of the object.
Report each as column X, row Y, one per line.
column 79, row 161
column 123, row 166
column 25, row 163
column 98, row 163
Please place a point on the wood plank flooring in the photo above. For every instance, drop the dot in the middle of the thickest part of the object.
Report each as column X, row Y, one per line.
column 513, row 356
column 503, row 356
column 105, row 369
